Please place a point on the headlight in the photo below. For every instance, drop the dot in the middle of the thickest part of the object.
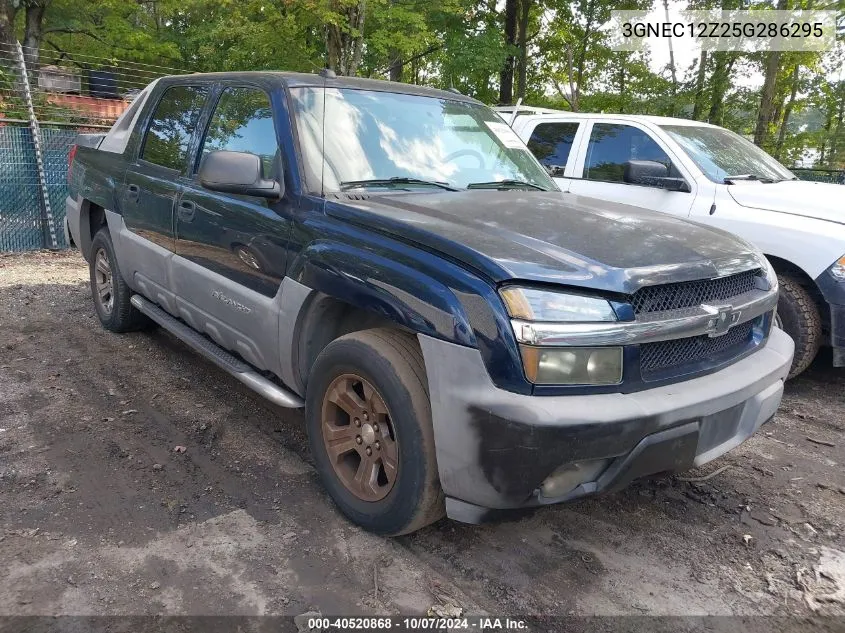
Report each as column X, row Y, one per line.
column 532, row 304
column 838, row 269
column 771, row 275
column 572, row 365
column 563, row 365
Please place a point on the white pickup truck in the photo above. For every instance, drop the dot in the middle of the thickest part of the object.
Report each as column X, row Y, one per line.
column 713, row 176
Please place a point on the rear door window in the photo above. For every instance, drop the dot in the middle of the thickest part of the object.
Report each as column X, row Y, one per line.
column 173, row 122
column 612, row 145
column 551, row 143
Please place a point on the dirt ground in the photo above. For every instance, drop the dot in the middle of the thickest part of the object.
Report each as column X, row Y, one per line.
column 99, row 514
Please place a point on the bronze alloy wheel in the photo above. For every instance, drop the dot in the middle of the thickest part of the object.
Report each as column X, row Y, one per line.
column 359, row 437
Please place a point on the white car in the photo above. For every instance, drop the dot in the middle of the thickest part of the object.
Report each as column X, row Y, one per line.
column 713, row 176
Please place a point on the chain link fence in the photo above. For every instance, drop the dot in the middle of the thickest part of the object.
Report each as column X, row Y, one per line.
column 22, row 222
column 46, row 99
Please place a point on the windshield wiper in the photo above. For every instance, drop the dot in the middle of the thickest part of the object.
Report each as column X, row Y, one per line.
column 396, row 180
column 505, row 184
column 729, row 180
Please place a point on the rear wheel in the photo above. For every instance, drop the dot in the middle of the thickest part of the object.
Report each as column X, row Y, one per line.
column 110, row 293
column 369, row 429
column 798, row 316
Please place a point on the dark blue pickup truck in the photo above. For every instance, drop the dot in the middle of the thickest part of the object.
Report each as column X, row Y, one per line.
column 464, row 337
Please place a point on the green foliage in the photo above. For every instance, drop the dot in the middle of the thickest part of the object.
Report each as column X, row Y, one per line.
column 461, row 44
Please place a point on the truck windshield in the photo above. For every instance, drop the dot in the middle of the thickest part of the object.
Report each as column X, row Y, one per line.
column 721, row 154
column 382, row 140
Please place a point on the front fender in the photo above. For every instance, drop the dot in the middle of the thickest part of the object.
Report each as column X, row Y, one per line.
column 397, row 292
column 418, row 290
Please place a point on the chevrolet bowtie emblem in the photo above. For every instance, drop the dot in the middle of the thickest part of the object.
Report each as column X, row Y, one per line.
column 722, row 319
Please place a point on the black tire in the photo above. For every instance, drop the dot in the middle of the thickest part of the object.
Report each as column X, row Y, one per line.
column 799, row 317
column 118, row 314
column 392, row 363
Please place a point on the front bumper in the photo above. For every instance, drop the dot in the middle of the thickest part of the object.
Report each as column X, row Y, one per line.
column 495, row 448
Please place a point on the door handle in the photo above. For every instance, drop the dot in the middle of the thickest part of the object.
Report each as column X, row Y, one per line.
column 132, row 192
column 186, row 210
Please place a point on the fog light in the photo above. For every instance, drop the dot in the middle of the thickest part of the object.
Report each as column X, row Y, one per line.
column 567, row 478
column 572, row 365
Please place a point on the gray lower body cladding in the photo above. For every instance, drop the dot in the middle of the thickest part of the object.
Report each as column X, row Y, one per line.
column 241, row 371
column 496, row 448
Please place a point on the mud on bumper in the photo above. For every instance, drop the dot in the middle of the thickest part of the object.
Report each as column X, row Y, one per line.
column 495, row 449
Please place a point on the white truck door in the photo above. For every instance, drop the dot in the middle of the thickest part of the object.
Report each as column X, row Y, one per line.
column 600, row 165
column 554, row 143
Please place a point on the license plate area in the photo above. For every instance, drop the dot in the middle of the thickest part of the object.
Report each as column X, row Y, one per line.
column 718, row 428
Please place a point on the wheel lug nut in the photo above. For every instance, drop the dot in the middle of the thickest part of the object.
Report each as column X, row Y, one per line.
column 369, row 451
column 357, row 422
column 375, row 427
column 358, row 440
column 366, row 415
column 378, row 445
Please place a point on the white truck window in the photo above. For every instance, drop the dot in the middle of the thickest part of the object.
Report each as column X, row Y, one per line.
column 612, row 145
column 720, row 153
column 551, row 143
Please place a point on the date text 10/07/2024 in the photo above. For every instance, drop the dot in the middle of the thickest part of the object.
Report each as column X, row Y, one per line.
column 479, row 623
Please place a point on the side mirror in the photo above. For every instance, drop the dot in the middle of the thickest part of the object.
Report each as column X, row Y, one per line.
column 555, row 171
column 650, row 173
column 239, row 173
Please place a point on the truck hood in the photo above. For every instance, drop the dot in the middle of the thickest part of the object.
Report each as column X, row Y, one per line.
column 552, row 237
column 819, row 200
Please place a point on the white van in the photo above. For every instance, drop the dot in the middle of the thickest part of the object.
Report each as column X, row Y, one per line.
column 713, row 176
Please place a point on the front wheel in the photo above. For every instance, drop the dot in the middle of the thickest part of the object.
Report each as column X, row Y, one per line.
column 369, row 428
column 799, row 317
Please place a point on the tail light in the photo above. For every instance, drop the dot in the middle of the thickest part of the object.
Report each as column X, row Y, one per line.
column 70, row 156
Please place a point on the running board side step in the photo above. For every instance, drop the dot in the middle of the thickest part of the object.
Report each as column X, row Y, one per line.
column 220, row 357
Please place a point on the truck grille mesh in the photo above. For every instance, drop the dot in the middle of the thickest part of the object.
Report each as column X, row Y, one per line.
column 663, row 355
column 689, row 294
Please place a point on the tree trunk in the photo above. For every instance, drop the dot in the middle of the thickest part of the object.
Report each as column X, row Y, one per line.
column 672, row 68
column 765, row 114
column 506, row 74
column 396, row 65
column 8, row 9
column 32, row 33
column 571, row 95
column 577, row 85
column 787, row 111
column 622, row 87
column 836, row 154
column 721, row 80
column 357, row 37
column 345, row 42
column 522, row 39
column 699, row 86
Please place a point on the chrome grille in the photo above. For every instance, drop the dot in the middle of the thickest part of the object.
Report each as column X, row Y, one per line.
column 664, row 355
column 689, row 294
